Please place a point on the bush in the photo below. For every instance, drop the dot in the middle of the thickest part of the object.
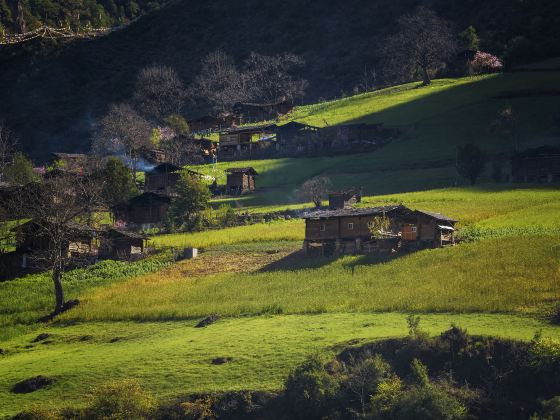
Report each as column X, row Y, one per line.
column 38, row 412
column 550, row 410
column 309, row 389
column 427, row 402
column 121, row 400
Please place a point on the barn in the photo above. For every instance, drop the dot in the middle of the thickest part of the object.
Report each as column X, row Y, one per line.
column 240, row 180
column 121, row 244
column 342, row 229
column 145, row 210
column 162, row 177
column 541, row 164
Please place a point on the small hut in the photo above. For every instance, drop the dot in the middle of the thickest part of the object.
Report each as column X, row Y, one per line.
column 541, row 164
column 121, row 244
column 162, row 178
column 82, row 239
column 240, row 180
column 146, row 210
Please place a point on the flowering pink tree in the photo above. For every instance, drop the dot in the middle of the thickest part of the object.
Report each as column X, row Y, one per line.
column 485, row 63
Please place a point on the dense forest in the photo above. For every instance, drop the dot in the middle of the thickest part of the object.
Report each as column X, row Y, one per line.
column 74, row 82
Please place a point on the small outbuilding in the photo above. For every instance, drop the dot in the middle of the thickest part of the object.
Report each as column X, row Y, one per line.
column 541, row 164
column 121, row 244
column 162, row 178
column 240, row 180
column 145, row 210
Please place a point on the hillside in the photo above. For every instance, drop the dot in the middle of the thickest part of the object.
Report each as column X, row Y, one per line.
column 137, row 320
column 435, row 120
column 73, row 83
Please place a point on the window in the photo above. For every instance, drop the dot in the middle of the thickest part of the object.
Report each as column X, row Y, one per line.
column 413, row 229
column 350, row 226
column 322, row 228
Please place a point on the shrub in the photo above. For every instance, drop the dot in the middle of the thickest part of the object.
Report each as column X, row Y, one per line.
column 485, row 63
column 309, row 388
column 550, row 410
column 365, row 376
column 199, row 409
column 427, row 402
column 121, row 400
column 38, row 412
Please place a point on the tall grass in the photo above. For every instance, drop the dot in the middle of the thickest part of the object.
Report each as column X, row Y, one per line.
column 23, row 301
column 520, row 275
column 262, row 232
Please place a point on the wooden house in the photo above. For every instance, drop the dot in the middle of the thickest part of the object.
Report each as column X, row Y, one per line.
column 83, row 240
column 145, row 210
column 237, row 143
column 541, row 164
column 354, row 137
column 254, row 112
column 423, row 229
column 346, row 230
column 162, row 178
column 209, row 123
column 345, row 199
column 153, row 155
column 121, row 244
column 296, row 138
column 240, row 180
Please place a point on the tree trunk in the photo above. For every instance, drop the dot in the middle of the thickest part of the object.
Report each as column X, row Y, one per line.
column 425, row 77
column 58, row 291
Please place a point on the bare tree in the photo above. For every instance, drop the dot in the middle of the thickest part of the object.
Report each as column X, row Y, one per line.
column 220, row 82
column 59, row 208
column 269, row 78
column 122, row 130
column 7, row 148
column 314, row 189
column 420, row 46
column 159, row 92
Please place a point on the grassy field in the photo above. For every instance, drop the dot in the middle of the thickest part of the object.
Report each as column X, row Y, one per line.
column 517, row 276
column 172, row 358
column 277, row 307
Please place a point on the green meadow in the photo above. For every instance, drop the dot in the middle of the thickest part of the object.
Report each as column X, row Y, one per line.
column 276, row 306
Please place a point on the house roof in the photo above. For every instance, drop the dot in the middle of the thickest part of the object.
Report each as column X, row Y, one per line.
column 71, row 226
column 165, row 167
column 248, row 170
column 69, row 155
column 351, row 212
column 250, row 129
column 294, row 125
column 126, row 233
column 436, row 216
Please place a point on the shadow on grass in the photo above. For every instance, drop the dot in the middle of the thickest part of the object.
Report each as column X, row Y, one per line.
column 299, row 261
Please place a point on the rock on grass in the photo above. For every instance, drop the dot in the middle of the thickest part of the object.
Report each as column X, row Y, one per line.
column 207, row 321
column 32, row 384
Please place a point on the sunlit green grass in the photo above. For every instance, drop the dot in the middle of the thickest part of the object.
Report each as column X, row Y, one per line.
column 173, row 358
column 23, row 301
column 262, row 232
column 521, row 275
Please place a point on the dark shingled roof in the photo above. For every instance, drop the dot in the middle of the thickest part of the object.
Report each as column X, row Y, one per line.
column 165, row 167
column 248, row 170
column 127, row 233
column 69, row 155
column 367, row 211
column 436, row 216
column 250, row 129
